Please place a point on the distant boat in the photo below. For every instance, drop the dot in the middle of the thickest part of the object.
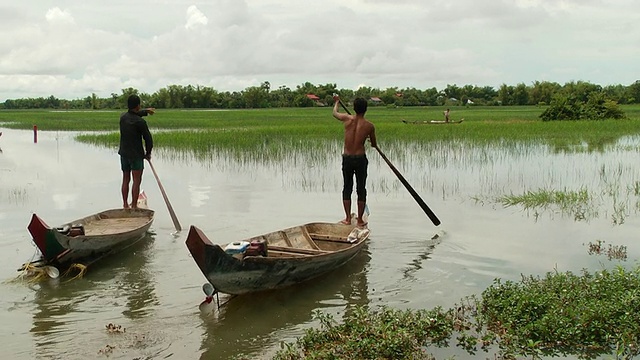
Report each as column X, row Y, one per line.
column 432, row 122
column 276, row 259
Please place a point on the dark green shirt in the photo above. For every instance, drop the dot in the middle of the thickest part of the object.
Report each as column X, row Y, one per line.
column 134, row 129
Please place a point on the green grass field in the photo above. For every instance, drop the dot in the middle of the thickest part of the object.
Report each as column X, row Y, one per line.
column 243, row 129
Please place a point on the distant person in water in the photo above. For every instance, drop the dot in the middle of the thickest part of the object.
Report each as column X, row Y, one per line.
column 354, row 160
column 133, row 130
column 446, row 115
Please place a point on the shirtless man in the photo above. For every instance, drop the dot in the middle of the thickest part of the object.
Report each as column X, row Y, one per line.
column 446, row 115
column 354, row 160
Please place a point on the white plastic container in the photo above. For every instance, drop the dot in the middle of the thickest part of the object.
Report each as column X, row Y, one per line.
column 237, row 249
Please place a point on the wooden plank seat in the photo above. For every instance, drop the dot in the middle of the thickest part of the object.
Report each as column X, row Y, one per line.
column 113, row 226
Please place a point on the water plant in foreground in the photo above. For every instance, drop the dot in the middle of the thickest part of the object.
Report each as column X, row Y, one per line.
column 373, row 334
column 576, row 203
column 586, row 316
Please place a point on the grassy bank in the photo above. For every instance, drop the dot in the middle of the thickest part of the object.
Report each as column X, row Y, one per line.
column 246, row 127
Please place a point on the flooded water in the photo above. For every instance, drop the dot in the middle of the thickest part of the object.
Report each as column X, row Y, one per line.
column 153, row 290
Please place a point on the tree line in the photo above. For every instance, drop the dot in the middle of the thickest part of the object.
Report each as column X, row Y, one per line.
column 263, row 96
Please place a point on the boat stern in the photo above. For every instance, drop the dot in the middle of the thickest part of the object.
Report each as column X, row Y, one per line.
column 197, row 243
column 44, row 238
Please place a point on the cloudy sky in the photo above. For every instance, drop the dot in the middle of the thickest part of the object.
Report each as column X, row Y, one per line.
column 72, row 48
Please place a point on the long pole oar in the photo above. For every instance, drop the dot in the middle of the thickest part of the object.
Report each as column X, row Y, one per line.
column 176, row 223
column 404, row 182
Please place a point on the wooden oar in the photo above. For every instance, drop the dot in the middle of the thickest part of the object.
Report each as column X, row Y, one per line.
column 404, row 182
column 176, row 223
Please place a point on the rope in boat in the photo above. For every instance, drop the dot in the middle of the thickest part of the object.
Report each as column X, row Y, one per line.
column 30, row 273
column 82, row 269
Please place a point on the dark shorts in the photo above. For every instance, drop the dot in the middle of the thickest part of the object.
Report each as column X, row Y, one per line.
column 354, row 165
column 131, row 164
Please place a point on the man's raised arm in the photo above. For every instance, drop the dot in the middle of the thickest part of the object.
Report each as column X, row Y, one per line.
column 336, row 113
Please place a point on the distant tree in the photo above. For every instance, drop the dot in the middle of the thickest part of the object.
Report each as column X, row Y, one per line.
column 505, row 94
column 430, row 97
column 255, row 97
column 542, row 92
column 634, row 92
column 388, row 96
column 452, row 92
column 520, row 95
column 618, row 93
column 190, row 96
column 581, row 89
column 281, row 97
column 365, row 92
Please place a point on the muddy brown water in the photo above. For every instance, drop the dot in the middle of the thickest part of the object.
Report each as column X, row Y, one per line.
column 153, row 290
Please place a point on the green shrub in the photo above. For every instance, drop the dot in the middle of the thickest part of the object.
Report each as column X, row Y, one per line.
column 569, row 107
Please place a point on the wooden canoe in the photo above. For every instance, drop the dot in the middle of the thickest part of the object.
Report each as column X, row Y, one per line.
column 93, row 236
column 432, row 122
column 293, row 255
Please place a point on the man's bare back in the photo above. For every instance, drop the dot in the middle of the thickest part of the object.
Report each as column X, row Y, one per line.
column 356, row 131
column 354, row 160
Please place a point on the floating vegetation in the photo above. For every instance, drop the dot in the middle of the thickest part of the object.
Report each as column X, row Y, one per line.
column 106, row 350
column 613, row 252
column 578, row 203
column 124, row 339
column 113, row 328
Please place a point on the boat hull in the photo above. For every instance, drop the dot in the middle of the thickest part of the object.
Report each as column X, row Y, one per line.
column 286, row 264
column 102, row 233
column 432, row 122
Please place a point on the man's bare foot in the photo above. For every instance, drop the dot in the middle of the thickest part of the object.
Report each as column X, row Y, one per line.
column 125, row 206
column 362, row 224
column 346, row 221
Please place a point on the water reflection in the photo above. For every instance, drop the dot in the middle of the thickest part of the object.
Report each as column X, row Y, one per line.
column 254, row 324
column 416, row 264
column 64, row 308
column 135, row 281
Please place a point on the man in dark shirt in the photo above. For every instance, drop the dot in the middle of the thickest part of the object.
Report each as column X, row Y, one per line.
column 134, row 129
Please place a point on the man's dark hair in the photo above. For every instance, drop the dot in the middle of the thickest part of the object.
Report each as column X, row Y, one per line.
column 133, row 101
column 360, row 106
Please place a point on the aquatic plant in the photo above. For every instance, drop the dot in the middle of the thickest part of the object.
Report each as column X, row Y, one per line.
column 561, row 314
column 577, row 203
column 373, row 334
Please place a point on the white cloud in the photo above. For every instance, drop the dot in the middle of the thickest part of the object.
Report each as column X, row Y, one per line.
column 55, row 15
column 195, row 18
column 76, row 48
